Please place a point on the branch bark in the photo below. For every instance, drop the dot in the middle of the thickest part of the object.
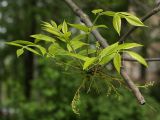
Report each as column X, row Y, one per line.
column 86, row 20
column 144, row 18
column 147, row 59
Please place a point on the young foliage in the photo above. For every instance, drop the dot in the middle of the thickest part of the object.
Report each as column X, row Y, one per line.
column 64, row 47
column 117, row 23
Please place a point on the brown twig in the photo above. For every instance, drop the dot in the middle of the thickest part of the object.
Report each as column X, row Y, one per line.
column 147, row 59
column 104, row 44
column 132, row 86
column 148, row 15
column 86, row 20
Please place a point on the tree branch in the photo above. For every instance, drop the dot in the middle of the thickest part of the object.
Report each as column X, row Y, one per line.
column 148, row 15
column 103, row 43
column 147, row 59
column 86, row 20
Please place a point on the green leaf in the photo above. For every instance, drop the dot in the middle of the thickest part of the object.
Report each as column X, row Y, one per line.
column 107, row 59
column 117, row 62
column 60, row 27
column 31, row 50
column 14, row 44
column 137, row 57
column 108, row 13
column 133, row 20
column 78, row 56
column 79, row 37
column 99, row 26
column 23, row 42
column 117, row 23
column 85, row 52
column 76, row 44
column 80, row 27
column 97, row 11
column 52, row 31
column 128, row 46
column 125, row 14
column 109, row 50
column 89, row 62
column 43, row 37
column 20, row 52
column 55, row 49
column 42, row 49
column 53, row 23
column 67, row 35
column 64, row 27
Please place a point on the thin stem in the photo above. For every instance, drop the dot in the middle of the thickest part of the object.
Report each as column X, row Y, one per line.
column 95, row 20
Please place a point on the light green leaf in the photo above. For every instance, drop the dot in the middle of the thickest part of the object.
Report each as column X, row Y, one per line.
column 76, row 45
column 52, row 31
column 128, row 46
column 64, row 27
column 14, row 44
column 89, row 62
column 108, row 13
column 55, row 49
column 53, row 23
column 97, row 11
column 78, row 56
column 20, row 52
column 23, row 42
column 99, row 26
column 31, row 50
column 80, row 27
column 117, row 62
column 42, row 49
column 67, row 35
column 133, row 20
column 107, row 59
column 137, row 57
column 60, row 27
column 43, row 37
column 117, row 23
column 85, row 52
column 109, row 50
column 79, row 37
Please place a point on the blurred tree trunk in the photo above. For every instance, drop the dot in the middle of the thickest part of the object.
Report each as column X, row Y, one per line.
column 29, row 57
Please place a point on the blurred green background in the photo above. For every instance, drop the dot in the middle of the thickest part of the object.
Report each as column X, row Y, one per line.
column 34, row 88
